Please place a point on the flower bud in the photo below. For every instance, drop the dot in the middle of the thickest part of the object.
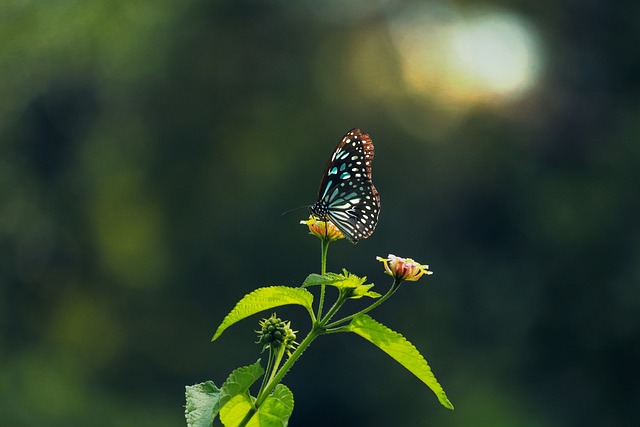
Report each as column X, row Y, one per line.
column 275, row 333
column 402, row 269
column 324, row 230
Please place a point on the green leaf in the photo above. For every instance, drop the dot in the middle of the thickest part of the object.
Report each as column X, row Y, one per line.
column 201, row 398
column 277, row 408
column 322, row 279
column 235, row 410
column 275, row 411
column 352, row 285
column 237, row 383
column 397, row 346
column 363, row 291
column 263, row 299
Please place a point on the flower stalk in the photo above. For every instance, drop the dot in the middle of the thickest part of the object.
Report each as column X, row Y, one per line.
column 327, row 232
column 275, row 380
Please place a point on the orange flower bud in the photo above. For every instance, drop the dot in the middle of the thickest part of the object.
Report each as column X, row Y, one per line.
column 325, row 230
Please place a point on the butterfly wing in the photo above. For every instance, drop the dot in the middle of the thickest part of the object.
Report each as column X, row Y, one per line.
column 347, row 196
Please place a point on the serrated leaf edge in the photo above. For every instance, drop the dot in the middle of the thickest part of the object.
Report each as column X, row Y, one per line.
column 234, row 316
column 191, row 408
column 431, row 382
column 227, row 393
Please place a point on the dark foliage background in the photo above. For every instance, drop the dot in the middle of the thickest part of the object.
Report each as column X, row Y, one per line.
column 148, row 148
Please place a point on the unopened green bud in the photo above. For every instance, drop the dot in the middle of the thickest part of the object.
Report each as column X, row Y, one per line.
column 275, row 332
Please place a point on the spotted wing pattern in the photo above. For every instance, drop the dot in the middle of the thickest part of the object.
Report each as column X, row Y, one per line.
column 347, row 196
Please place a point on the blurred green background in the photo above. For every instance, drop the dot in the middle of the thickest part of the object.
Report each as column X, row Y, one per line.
column 148, row 149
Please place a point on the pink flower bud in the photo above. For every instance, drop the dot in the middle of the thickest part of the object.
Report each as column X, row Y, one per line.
column 403, row 269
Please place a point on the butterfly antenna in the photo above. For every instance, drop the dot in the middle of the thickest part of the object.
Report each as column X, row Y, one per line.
column 295, row 209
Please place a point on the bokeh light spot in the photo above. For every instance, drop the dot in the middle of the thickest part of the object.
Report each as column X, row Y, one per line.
column 497, row 52
column 465, row 58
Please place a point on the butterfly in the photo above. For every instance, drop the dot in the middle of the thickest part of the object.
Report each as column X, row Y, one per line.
column 347, row 196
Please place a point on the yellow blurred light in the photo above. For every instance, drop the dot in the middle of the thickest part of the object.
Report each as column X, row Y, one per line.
column 486, row 57
column 496, row 52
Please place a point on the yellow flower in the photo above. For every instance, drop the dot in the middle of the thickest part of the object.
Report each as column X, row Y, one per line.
column 325, row 230
column 403, row 269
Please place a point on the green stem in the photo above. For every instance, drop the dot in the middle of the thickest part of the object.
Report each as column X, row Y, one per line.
column 379, row 301
column 336, row 330
column 321, row 303
column 275, row 380
column 272, row 366
column 325, row 249
column 267, row 372
column 248, row 417
column 276, row 365
column 323, row 271
column 336, row 306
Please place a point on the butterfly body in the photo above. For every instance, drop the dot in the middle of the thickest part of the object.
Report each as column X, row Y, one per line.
column 347, row 196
